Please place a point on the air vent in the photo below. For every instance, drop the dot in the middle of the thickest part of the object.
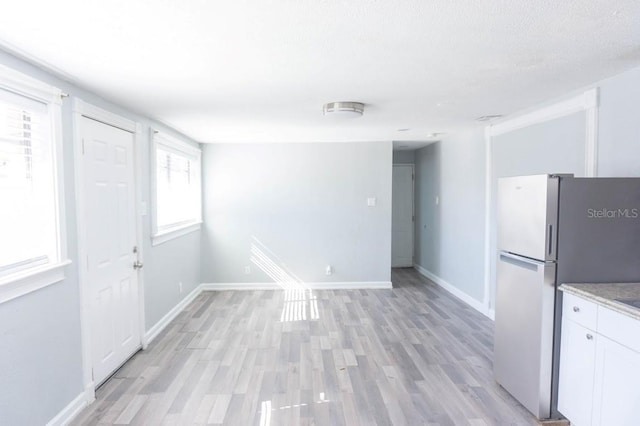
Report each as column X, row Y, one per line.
column 488, row 117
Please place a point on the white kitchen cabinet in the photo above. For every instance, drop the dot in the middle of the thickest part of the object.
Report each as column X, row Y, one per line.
column 616, row 395
column 599, row 379
column 577, row 367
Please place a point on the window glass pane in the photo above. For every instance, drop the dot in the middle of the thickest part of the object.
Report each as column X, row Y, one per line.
column 176, row 197
column 27, row 209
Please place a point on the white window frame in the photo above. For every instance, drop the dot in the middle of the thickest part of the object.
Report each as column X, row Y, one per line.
column 170, row 143
column 37, row 277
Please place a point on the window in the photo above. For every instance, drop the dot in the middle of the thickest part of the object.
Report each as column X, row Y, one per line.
column 177, row 188
column 30, row 208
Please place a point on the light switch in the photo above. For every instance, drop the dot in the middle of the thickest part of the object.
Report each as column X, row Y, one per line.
column 371, row 201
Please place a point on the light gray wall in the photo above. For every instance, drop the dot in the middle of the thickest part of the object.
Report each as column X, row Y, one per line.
column 428, row 186
column 40, row 356
column 169, row 263
column 40, row 359
column 176, row 261
column 450, row 235
column 619, row 125
column 304, row 205
column 555, row 146
column 404, row 157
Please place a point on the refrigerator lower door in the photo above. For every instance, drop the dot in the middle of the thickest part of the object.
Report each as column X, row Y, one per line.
column 523, row 347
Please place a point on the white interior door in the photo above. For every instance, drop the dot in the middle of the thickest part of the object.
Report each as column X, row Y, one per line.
column 111, row 280
column 402, row 216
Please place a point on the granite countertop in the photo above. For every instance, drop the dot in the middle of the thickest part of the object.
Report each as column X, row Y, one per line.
column 606, row 293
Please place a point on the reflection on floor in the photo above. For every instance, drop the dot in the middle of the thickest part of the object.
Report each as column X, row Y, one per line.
column 412, row 355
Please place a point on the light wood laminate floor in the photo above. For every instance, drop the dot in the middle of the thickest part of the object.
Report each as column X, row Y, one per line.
column 413, row 355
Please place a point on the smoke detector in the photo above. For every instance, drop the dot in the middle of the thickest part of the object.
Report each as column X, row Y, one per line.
column 346, row 109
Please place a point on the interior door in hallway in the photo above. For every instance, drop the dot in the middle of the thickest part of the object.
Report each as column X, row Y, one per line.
column 110, row 241
column 402, row 216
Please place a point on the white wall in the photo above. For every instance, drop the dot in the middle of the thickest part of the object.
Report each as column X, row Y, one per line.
column 303, row 205
column 619, row 125
column 40, row 346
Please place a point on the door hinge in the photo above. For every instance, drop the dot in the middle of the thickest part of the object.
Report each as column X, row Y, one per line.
column 92, row 377
column 413, row 218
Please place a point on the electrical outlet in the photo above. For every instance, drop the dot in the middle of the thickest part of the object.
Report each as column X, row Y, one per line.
column 247, row 269
column 180, row 287
column 328, row 270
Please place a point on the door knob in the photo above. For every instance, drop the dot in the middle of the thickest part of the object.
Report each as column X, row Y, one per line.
column 137, row 264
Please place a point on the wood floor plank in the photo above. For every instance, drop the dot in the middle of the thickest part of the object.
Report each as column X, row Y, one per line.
column 413, row 355
column 131, row 410
column 219, row 410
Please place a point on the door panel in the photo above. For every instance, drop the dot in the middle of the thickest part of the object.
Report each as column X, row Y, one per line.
column 577, row 364
column 110, row 239
column 402, row 216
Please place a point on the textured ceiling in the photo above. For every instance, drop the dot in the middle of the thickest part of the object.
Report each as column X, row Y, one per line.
column 260, row 70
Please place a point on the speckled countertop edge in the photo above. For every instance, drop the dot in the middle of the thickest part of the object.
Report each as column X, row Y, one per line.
column 606, row 293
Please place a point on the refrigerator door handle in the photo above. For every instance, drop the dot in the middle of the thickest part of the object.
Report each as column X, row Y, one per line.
column 552, row 242
column 523, row 261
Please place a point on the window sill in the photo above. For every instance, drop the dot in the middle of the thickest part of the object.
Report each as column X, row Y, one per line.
column 25, row 282
column 173, row 233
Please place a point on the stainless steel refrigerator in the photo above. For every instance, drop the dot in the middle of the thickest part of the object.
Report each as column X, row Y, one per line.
column 554, row 229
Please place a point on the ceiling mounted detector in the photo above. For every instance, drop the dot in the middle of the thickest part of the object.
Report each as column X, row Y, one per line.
column 344, row 109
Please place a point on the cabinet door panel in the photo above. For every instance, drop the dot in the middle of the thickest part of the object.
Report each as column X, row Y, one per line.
column 577, row 362
column 617, row 385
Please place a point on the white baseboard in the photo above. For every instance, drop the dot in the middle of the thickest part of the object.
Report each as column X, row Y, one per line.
column 475, row 304
column 69, row 412
column 239, row 286
column 165, row 320
column 353, row 285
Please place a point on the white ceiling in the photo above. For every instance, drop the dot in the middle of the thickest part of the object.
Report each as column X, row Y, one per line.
column 260, row 70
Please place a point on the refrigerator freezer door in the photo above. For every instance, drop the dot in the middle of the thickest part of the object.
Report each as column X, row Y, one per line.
column 523, row 344
column 599, row 239
column 527, row 216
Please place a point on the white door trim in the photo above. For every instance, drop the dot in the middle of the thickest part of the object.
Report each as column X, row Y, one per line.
column 83, row 109
column 587, row 102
